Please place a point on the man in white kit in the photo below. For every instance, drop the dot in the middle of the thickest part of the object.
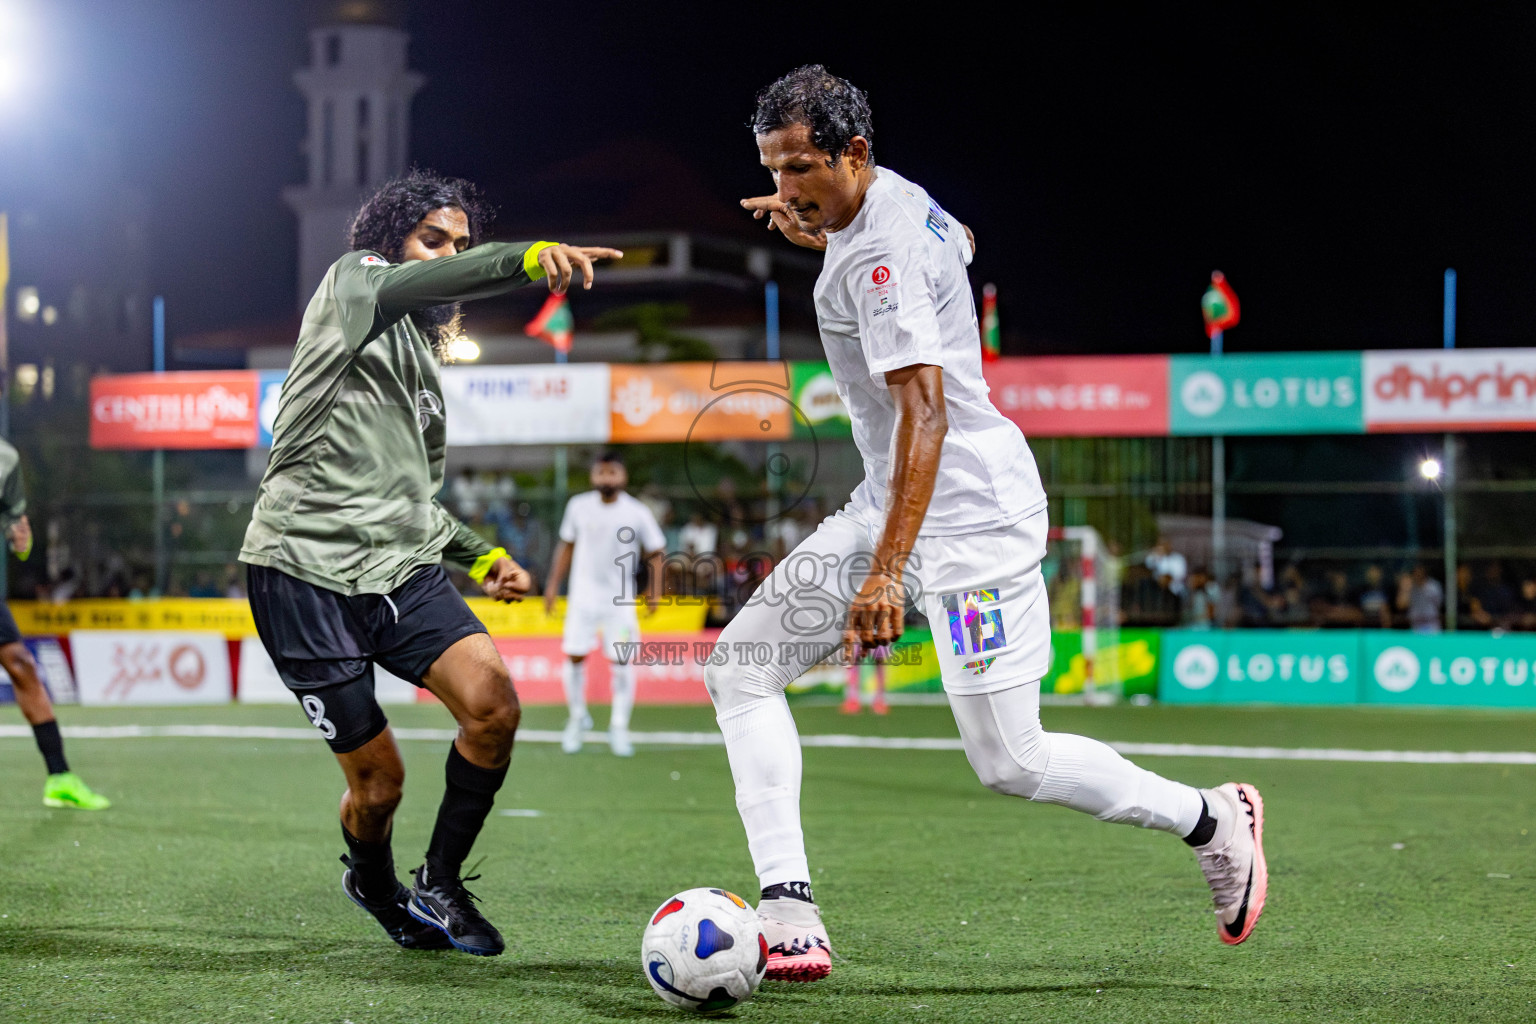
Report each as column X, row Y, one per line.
column 951, row 513
column 604, row 536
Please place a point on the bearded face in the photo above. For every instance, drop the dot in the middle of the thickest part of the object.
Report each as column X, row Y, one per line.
column 441, row 325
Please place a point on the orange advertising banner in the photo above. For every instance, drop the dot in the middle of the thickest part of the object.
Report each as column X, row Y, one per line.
column 174, row 410
column 700, row 401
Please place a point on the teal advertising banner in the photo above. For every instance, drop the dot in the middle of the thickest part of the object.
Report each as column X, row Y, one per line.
column 1282, row 393
column 1450, row 669
column 1273, row 666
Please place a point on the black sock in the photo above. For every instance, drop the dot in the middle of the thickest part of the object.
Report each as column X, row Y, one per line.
column 789, row 891
column 468, row 799
column 1204, row 829
column 52, row 745
column 373, row 866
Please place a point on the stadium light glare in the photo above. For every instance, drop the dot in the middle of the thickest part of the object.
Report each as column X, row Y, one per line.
column 463, row 350
column 1429, row 469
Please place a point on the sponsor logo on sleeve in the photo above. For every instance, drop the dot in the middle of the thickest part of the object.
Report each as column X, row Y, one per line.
column 881, row 275
column 373, row 261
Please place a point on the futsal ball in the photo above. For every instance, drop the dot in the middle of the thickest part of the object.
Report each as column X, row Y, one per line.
column 704, row 950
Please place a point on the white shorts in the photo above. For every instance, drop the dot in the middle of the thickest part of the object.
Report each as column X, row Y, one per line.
column 584, row 620
column 983, row 594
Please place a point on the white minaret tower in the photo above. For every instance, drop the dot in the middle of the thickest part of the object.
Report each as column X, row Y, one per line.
column 359, row 93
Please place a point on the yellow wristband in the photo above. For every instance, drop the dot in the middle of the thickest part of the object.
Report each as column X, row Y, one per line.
column 531, row 265
column 482, row 566
column 24, row 555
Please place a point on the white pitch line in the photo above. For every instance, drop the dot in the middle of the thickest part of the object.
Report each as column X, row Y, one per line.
column 842, row 741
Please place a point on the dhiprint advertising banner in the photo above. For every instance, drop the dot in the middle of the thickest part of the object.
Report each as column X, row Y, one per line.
column 1082, row 396
column 540, row 404
column 1466, row 389
column 208, row 409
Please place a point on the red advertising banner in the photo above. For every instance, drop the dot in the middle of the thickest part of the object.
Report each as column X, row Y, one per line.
column 174, row 410
column 669, row 669
column 1083, row 396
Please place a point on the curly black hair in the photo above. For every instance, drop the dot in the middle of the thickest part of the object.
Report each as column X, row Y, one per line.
column 393, row 212
column 834, row 109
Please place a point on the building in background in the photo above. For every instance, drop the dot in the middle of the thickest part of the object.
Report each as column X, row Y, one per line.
column 358, row 90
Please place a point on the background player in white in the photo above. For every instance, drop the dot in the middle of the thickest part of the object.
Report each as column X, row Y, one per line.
column 604, row 535
column 951, row 512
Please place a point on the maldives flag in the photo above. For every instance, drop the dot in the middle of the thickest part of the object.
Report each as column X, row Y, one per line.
column 1219, row 305
column 554, row 323
column 991, row 334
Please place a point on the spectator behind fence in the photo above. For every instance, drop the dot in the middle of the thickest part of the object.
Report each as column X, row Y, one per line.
column 1168, row 566
column 1421, row 597
column 1201, row 600
column 1375, row 609
column 466, row 493
column 1525, row 604
column 1493, row 601
column 1255, row 601
column 1292, row 608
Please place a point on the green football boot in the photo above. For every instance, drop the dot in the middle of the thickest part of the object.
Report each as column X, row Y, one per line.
column 66, row 789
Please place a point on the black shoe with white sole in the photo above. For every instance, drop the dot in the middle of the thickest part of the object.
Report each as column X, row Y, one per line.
column 445, row 904
column 392, row 916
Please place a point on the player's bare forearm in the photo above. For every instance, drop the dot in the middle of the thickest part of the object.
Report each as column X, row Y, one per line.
column 876, row 612
column 921, row 424
column 557, row 570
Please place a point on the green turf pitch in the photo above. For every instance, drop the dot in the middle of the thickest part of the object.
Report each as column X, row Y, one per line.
column 210, row 892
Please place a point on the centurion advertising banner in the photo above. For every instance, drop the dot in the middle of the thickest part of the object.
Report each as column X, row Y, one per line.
column 174, row 410
column 1283, row 393
column 1083, row 396
column 1458, row 389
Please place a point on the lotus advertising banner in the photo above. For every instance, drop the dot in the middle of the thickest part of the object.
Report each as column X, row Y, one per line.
column 1450, row 669
column 1267, row 666
column 1285, row 393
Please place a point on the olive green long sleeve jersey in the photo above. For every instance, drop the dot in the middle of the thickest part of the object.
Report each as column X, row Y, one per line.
column 348, row 501
column 13, row 496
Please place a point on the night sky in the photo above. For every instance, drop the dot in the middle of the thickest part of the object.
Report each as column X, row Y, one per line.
column 1331, row 162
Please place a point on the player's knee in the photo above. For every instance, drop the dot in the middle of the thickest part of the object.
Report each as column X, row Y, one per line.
column 732, row 684
column 1013, row 773
column 493, row 722
column 379, row 791
column 18, row 664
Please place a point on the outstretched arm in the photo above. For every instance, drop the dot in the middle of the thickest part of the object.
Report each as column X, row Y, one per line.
column 381, row 292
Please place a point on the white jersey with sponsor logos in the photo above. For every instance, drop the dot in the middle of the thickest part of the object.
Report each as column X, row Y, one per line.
column 892, row 293
column 610, row 538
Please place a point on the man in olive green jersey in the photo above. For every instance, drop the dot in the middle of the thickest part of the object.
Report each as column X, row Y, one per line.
column 347, row 540
column 64, row 788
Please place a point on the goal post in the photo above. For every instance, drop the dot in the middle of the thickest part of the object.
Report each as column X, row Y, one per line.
column 1083, row 581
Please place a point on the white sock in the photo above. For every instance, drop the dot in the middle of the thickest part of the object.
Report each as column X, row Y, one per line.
column 574, row 678
column 623, row 683
column 1092, row 777
column 764, row 751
